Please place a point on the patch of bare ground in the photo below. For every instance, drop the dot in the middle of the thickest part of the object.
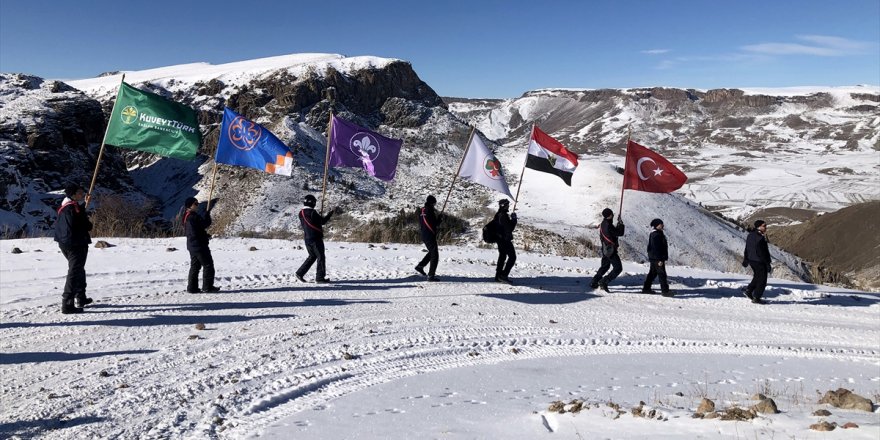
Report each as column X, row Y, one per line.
column 843, row 246
column 727, row 170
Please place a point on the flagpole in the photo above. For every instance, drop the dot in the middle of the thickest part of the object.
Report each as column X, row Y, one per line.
column 628, row 137
column 104, row 139
column 519, row 185
column 327, row 153
column 213, row 179
column 460, row 163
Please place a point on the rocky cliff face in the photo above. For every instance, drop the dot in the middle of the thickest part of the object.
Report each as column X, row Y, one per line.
column 49, row 135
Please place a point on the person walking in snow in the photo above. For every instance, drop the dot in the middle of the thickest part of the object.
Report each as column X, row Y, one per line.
column 757, row 255
column 428, row 222
column 195, row 226
column 505, row 225
column 72, row 234
column 608, row 237
column 313, row 234
column 658, row 253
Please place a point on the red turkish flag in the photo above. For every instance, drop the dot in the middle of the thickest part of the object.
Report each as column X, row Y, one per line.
column 648, row 171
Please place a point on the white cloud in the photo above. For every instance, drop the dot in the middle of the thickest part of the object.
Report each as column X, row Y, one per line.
column 655, row 51
column 817, row 45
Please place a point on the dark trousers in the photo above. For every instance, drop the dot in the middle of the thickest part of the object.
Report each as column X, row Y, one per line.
column 432, row 257
column 655, row 271
column 506, row 258
column 316, row 254
column 759, row 279
column 75, row 286
column 613, row 260
column 200, row 260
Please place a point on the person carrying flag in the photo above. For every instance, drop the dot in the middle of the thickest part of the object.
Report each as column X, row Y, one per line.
column 506, row 253
column 72, row 234
column 608, row 237
column 429, row 220
column 313, row 234
column 197, row 243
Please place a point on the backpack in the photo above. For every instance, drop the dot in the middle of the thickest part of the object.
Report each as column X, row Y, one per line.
column 490, row 232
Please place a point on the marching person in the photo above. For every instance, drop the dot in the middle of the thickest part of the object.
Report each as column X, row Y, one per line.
column 428, row 222
column 313, row 234
column 608, row 236
column 72, row 234
column 658, row 253
column 506, row 253
column 757, row 255
column 195, row 226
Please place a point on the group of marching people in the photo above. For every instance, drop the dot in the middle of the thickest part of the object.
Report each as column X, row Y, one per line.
column 72, row 232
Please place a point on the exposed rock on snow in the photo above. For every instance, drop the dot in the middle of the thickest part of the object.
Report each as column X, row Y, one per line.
column 846, row 399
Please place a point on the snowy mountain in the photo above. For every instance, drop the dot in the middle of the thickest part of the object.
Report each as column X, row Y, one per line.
column 776, row 153
column 286, row 95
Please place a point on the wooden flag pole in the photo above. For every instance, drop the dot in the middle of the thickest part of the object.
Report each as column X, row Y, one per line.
column 519, row 185
column 101, row 151
column 327, row 153
column 460, row 163
column 213, row 179
column 628, row 137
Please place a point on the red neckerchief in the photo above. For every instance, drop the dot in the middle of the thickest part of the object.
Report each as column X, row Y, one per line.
column 302, row 213
column 65, row 205
column 425, row 221
column 602, row 234
column 186, row 216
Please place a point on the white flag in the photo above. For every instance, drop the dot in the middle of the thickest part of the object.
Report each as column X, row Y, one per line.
column 481, row 166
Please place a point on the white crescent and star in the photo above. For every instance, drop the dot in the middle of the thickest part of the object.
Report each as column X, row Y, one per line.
column 657, row 172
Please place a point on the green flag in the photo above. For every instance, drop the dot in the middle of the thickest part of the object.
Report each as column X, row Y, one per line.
column 148, row 122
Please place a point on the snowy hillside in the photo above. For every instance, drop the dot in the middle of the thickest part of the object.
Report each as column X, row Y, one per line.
column 783, row 153
column 382, row 354
column 750, row 152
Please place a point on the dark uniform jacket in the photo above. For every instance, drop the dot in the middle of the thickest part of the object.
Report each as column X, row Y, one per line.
column 609, row 233
column 658, row 249
column 428, row 222
column 506, row 225
column 757, row 249
column 195, row 225
column 313, row 224
column 73, row 225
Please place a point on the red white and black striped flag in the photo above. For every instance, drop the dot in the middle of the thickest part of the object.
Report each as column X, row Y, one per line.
column 548, row 155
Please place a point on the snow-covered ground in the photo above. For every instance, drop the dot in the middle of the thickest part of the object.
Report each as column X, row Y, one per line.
column 381, row 354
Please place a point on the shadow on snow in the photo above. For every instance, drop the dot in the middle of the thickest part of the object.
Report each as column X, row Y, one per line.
column 30, row 357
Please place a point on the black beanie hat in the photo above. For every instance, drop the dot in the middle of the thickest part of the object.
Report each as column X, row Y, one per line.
column 310, row 201
column 656, row 222
column 189, row 202
column 70, row 189
column 431, row 200
column 758, row 223
column 607, row 212
column 504, row 202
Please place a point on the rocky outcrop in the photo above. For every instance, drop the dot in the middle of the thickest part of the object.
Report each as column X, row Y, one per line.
column 846, row 399
column 50, row 135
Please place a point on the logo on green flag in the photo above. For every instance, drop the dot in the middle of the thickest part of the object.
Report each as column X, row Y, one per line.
column 148, row 122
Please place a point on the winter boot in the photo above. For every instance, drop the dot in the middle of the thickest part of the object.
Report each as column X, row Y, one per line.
column 421, row 270
column 81, row 301
column 67, row 307
column 212, row 289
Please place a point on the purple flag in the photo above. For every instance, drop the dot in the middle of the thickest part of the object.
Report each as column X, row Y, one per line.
column 357, row 147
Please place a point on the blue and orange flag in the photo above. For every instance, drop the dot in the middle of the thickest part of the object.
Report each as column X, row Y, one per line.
column 247, row 144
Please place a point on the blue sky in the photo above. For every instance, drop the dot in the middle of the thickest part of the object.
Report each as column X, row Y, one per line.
column 476, row 48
